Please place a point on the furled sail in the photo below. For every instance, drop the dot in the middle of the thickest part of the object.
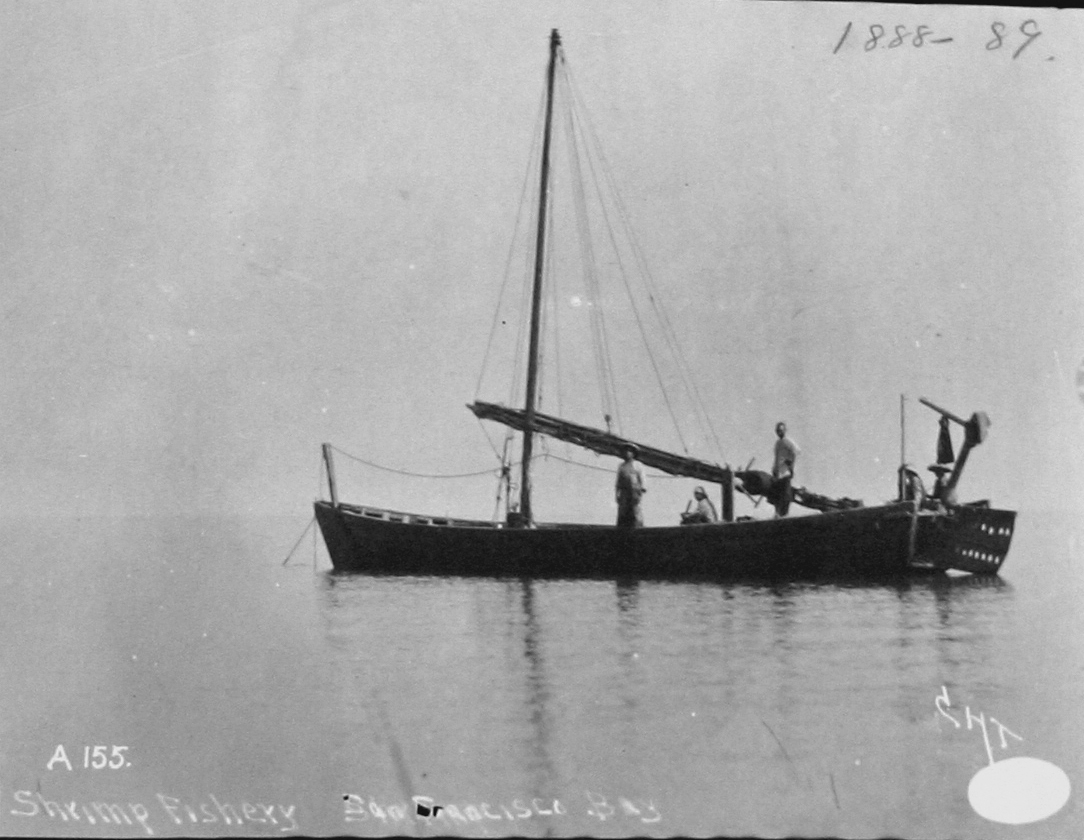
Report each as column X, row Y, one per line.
column 601, row 442
column 605, row 443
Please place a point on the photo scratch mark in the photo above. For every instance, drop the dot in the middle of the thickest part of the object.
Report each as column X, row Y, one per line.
column 786, row 755
column 781, row 747
column 835, row 796
column 402, row 774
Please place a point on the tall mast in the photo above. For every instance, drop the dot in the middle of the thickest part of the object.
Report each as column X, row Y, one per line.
column 536, row 293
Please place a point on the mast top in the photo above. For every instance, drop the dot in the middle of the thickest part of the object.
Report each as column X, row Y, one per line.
column 555, row 39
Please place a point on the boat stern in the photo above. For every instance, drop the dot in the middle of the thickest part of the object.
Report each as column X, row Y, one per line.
column 968, row 538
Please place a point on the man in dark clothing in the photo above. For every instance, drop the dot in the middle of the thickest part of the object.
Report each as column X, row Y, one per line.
column 628, row 489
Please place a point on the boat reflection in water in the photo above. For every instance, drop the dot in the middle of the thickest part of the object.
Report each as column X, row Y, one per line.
column 696, row 703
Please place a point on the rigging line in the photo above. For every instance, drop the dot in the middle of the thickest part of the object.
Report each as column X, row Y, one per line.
column 545, row 314
column 596, row 147
column 669, row 333
column 489, row 440
column 635, row 308
column 554, row 304
column 597, row 315
column 703, row 416
column 607, row 469
column 516, row 386
column 684, row 368
column 651, row 357
column 583, row 238
column 598, row 320
column 501, row 479
column 603, row 369
column 512, row 245
column 579, row 463
column 522, row 339
column 490, row 471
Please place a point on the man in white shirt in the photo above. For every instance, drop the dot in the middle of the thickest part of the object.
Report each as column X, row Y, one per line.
column 704, row 512
column 786, row 453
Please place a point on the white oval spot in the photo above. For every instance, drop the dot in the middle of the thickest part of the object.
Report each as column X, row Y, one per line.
column 576, row 300
column 1018, row 790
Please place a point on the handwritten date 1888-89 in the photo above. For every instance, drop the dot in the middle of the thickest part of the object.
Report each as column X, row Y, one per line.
column 999, row 36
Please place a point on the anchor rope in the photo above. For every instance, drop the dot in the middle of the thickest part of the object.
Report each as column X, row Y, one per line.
column 299, row 539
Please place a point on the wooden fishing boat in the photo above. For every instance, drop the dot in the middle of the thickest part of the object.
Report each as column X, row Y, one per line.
column 918, row 533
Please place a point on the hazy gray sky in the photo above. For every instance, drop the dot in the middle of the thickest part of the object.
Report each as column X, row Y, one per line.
column 232, row 231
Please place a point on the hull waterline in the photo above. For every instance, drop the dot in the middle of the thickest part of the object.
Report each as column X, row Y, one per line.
column 890, row 540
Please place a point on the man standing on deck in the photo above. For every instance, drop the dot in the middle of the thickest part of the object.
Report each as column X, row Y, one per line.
column 786, row 453
column 628, row 489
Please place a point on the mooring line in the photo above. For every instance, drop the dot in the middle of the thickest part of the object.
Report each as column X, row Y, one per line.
column 299, row 539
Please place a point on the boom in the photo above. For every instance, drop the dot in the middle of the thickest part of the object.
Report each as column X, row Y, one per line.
column 601, row 442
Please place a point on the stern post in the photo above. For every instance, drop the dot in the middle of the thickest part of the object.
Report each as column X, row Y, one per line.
column 728, row 494
column 329, row 466
column 903, row 450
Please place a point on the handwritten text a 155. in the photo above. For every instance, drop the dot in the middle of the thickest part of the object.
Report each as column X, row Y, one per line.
column 99, row 757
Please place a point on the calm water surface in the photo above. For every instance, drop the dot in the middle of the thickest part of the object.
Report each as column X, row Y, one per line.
column 286, row 699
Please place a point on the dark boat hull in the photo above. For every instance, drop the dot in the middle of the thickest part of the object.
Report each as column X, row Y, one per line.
column 885, row 541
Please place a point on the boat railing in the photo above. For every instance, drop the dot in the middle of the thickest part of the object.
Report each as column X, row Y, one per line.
column 404, row 518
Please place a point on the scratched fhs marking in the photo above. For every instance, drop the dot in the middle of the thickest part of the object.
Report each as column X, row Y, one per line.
column 1013, row 791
